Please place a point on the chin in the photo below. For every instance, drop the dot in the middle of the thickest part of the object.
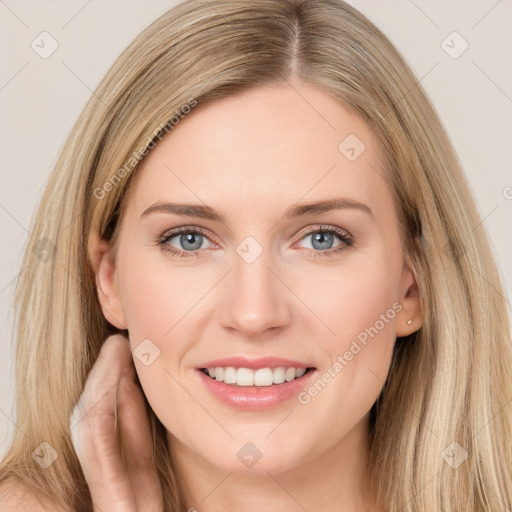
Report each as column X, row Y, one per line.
column 247, row 455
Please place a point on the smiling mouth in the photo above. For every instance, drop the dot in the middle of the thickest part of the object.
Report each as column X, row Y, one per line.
column 263, row 377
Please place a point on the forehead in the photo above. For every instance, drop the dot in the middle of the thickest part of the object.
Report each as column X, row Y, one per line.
column 293, row 142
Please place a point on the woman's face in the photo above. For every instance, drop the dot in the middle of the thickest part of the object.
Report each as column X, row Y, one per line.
column 269, row 275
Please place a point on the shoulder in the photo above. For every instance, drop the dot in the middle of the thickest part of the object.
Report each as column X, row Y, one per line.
column 18, row 497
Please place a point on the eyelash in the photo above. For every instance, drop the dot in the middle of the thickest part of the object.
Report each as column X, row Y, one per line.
column 347, row 241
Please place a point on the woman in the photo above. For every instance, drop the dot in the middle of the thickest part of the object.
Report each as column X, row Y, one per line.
column 336, row 336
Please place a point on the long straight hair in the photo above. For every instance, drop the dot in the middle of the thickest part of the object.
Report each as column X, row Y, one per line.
column 449, row 387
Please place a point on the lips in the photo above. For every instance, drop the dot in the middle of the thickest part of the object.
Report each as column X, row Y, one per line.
column 253, row 397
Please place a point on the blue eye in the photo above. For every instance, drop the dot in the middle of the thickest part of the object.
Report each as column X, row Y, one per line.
column 190, row 241
column 322, row 240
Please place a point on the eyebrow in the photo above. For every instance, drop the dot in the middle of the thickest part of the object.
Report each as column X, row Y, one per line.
column 300, row 210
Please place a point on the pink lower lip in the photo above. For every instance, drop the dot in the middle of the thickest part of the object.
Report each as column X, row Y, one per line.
column 255, row 398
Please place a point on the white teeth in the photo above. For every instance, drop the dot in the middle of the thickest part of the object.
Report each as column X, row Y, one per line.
column 301, row 372
column 263, row 377
column 260, row 377
column 244, row 377
column 290, row 374
column 278, row 375
column 230, row 375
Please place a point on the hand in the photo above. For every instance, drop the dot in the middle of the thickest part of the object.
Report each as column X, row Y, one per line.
column 119, row 469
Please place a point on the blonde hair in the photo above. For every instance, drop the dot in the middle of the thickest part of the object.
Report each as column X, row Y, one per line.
column 450, row 382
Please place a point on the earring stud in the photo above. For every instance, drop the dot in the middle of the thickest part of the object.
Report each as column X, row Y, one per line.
column 409, row 322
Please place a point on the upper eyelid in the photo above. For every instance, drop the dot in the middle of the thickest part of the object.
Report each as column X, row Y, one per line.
column 171, row 233
column 325, row 227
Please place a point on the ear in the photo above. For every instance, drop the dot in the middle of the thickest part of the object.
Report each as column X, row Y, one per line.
column 411, row 305
column 105, row 278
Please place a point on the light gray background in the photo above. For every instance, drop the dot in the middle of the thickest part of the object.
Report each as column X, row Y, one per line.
column 40, row 100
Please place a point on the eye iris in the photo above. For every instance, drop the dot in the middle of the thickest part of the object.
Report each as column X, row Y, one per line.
column 321, row 237
column 189, row 237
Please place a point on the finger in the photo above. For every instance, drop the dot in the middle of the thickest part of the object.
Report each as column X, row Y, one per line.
column 137, row 445
column 93, row 430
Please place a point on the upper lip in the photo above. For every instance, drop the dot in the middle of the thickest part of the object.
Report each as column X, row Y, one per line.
column 255, row 363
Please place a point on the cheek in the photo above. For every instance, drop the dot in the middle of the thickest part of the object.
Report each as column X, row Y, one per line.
column 156, row 296
column 163, row 309
column 355, row 308
column 157, row 302
column 352, row 302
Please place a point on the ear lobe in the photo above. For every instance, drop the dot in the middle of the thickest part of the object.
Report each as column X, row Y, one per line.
column 410, row 318
column 103, row 265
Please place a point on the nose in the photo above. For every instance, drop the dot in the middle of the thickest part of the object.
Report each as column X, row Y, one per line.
column 256, row 300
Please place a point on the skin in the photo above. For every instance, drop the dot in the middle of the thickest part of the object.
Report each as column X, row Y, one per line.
column 251, row 157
